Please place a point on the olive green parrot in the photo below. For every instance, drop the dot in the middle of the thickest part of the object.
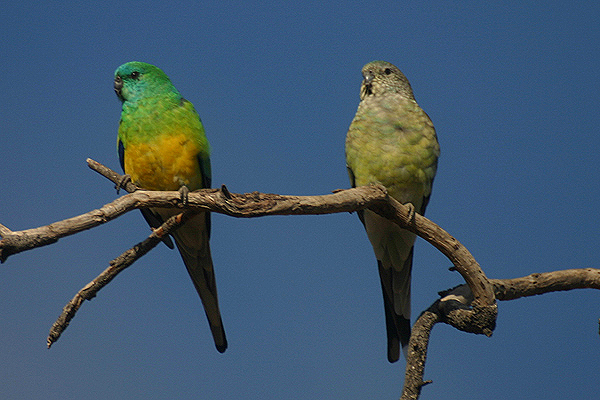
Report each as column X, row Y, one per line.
column 392, row 142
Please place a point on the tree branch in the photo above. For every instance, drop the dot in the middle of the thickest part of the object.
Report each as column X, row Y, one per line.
column 120, row 263
column 117, row 265
column 238, row 205
column 454, row 302
column 471, row 308
column 417, row 352
column 244, row 206
column 255, row 205
column 534, row 284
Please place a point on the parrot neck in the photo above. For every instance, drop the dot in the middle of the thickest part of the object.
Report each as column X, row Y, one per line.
column 151, row 104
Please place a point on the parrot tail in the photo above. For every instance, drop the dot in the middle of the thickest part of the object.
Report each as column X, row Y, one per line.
column 397, row 324
column 192, row 240
column 393, row 248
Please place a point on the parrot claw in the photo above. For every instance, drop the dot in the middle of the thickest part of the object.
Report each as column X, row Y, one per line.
column 125, row 179
column 184, row 191
column 411, row 212
column 225, row 192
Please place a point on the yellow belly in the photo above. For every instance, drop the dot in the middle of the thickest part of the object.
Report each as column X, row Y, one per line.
column 166, row 162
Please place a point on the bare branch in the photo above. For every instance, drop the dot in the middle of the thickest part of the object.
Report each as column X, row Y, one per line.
column 463, row 260
column 471, row 308
column 260, row 204
column 239, row 205
column 454, row 308
column 111, row 175
column 117, row 265
column 120, row 263
column 569, row 279
column 417, row 353
column 4, row 230
column 374, row 197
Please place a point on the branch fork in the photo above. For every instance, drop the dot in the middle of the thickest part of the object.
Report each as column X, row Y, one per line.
column 470, row 307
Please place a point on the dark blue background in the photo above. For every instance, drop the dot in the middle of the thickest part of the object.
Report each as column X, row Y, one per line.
column 513, row 92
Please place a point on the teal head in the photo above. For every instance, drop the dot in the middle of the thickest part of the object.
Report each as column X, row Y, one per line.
column 136, row 80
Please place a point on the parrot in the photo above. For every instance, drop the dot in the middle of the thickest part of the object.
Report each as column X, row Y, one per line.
column 391, row 141
column 162, row 146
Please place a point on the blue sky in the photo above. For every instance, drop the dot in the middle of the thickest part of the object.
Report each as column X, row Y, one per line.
column 513, row 92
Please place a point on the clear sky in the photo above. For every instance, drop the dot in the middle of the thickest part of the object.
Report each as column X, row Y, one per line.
column 513, row 92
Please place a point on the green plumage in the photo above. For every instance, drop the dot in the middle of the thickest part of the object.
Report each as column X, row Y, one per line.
column 162, row 146
column 392, row 141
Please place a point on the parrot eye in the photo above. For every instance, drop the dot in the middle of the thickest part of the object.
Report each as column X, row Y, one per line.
column 387, row 71
column 135, row 75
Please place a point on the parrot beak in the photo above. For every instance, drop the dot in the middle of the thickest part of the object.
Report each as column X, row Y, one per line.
column 118, row 86
column 366, row 89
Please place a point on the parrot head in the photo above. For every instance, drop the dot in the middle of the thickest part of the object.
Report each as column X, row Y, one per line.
column 136, row 80
column 381, row 78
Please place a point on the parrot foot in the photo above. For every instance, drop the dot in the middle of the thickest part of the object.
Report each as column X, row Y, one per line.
column 184, row 191
column 125, row 179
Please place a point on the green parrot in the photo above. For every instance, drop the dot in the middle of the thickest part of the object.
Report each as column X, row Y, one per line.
column 392, row 142
column 162, row 146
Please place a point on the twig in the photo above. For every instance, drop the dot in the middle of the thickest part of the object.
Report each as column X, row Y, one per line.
column 4, row 231
column 117, row 265
column 111, row 175
column 534, row 284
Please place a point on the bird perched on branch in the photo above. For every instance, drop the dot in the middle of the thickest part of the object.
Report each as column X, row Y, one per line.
column 392, row 142
column 162, row 146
